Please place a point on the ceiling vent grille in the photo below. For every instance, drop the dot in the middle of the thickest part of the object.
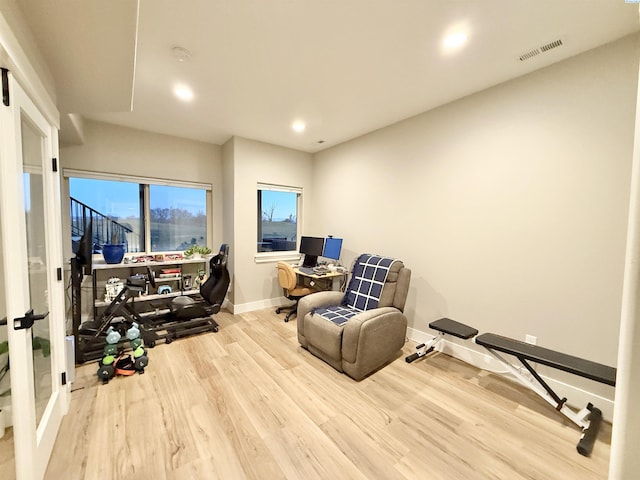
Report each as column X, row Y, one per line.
column 530, row 54
column 539, row 50
column 549, row 46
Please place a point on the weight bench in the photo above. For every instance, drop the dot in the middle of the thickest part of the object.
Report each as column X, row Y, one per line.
column 444, row 326
column 588, row 419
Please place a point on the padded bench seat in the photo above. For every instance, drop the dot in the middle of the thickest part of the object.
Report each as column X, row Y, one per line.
column 561, row 361
column 457, row 329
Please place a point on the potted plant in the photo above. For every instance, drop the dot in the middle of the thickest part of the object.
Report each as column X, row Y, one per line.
column 196, row 251
column 113, row 252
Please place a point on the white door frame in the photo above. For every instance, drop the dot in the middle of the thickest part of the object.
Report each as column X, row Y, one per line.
column 33, row 445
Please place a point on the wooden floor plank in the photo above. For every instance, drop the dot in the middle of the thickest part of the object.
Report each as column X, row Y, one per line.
column 247, row 402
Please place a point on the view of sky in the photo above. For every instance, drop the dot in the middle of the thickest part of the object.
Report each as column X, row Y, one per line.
column 284, row 203
column 121, row 199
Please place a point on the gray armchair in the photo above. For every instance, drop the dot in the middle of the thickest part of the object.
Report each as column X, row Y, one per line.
column 371, row 336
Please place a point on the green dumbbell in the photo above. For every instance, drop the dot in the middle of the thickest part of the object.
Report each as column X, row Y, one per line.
column 110, row 349
column 136, row 342
column 108, row 360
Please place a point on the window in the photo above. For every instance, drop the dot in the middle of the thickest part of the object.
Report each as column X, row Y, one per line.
column 178, row 217
column 277, row 218
column 114, row 207
column 145, row 216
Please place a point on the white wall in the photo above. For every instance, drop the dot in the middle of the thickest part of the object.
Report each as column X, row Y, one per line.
column 255, row 285
column 227, row 208
column 16, row 36
column 509, row 205
column 624, row 462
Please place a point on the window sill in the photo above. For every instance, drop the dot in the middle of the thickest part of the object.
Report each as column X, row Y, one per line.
column 272, row 257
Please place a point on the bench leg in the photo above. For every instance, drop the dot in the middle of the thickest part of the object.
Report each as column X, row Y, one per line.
column 588, row 419
column 425, row 348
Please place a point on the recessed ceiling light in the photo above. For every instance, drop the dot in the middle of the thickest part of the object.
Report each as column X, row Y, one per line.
column 183, row 92
column 455, row 40
column 298, row 126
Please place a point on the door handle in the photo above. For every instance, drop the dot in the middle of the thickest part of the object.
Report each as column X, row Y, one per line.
column 28, row 319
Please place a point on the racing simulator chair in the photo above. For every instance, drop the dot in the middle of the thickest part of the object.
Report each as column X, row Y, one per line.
column 185, row 316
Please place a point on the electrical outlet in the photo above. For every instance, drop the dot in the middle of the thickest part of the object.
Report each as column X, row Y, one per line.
column 531, row 339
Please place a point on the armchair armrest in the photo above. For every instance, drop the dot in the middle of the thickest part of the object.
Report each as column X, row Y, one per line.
column 308, row 303
column 318, row 300
column 372, row 338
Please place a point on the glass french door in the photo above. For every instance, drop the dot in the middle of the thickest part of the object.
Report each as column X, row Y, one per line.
column 34, row 197
column 32, row 282
column 7, row 463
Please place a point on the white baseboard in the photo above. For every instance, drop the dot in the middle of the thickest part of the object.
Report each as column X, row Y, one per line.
column 576, row 396
column 259, row 305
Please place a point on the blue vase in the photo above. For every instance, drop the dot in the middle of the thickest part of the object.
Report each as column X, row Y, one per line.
column 113, row 252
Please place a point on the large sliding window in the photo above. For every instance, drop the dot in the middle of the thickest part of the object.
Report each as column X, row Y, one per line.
column 278, row 218
column 146, row 215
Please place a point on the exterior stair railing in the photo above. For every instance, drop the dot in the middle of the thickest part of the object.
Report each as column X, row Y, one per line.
column 104, row 228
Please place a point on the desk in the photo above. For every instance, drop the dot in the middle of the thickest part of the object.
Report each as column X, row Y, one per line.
column 336, row 279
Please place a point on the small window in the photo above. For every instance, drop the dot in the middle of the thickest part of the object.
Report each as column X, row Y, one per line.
column 277, row 218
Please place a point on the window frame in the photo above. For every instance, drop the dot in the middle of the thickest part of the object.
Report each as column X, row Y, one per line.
column 145, row 182
column 283, row 255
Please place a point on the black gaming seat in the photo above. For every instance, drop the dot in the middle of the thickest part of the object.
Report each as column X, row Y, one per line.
column 212, row 291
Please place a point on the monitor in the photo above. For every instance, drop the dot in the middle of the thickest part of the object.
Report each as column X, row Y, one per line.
column 332, row 248
column 312, row 248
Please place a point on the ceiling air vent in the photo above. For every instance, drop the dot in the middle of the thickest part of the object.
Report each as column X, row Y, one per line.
column 530, row 54
column 551, row 45
column 539, row 50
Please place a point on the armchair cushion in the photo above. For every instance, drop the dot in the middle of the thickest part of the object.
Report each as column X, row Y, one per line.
column 367, row 281
column 364, row 290
column 362, row 330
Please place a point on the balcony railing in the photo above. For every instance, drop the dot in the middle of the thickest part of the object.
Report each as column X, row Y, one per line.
column 104, row 230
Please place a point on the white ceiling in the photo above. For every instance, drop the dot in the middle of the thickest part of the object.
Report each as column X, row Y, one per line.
column 345, row 67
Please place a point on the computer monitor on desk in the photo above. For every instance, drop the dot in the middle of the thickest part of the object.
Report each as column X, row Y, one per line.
column 311, row 248
column 332, row 248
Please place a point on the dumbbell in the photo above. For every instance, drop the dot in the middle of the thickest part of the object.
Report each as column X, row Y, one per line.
column 106, row 370
column 113, row 336
column 140, row 363
column 110, row 349
column 133, row 332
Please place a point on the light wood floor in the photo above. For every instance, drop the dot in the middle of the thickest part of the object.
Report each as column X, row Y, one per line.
column 248, row 403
